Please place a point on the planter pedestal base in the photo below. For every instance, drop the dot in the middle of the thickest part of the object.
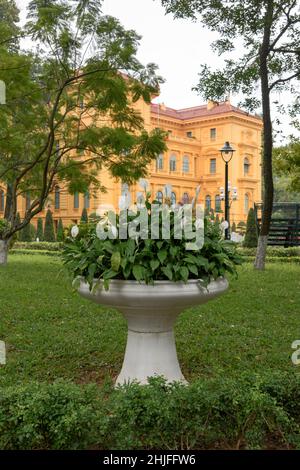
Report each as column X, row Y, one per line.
column 151, row 312
column 149, row 354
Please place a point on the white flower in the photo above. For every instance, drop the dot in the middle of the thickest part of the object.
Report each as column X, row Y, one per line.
column 74, row 231
column 143, row 184
column 100, row 229
column 224, row 225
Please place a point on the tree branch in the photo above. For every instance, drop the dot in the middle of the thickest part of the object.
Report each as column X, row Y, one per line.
column 284, row 80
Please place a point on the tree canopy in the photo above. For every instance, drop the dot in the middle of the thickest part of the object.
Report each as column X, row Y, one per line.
column 259, row 40
column 71, row 103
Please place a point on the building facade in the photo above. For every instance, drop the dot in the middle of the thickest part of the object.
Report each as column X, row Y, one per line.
column 195, row 136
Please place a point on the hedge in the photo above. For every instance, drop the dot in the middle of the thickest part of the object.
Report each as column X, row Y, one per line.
column 48, row 246
column 250, row 413
column 274, row 252
column 33, row 252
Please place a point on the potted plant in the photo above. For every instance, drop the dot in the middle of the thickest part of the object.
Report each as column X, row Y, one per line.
column 151, row 281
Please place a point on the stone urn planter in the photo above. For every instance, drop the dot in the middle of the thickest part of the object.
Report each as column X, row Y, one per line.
column 151, row 312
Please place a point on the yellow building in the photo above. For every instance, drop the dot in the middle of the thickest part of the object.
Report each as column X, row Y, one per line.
column 195, row 136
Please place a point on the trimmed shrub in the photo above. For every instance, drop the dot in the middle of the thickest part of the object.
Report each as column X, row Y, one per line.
column 40, row 230
column 223, row 413
column 84, row 217
column 35, row 246
column 60, row 236
column 251, row 238
column 27, row 234
column 49, row 235
column 233, row 227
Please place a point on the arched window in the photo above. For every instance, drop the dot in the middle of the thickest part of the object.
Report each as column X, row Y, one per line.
column 208, row 203
column 76, row 200
column 185, row 164
column 246, row 204
column 218, row 203
column 246, row 166
column 159, row 196
column 173, row 198
column 173, row 163
column 28, row 201
column 87, row 200
column 160, row 162
column 57, row 198
column 2, row 200
column 185, row 198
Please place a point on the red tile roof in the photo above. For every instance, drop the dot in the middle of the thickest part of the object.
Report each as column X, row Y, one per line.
column 198, row 111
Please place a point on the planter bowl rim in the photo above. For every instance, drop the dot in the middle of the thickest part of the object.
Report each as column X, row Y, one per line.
column 159, row 282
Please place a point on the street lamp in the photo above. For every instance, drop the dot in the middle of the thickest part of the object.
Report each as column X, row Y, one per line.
column 227, row 154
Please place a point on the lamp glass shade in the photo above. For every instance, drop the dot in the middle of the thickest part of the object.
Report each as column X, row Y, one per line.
column 227, row 152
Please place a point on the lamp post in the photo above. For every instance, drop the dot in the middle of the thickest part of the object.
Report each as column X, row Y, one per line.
column 227, row 154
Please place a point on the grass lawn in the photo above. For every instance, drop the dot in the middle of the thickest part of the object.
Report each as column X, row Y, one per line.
column 52, row 333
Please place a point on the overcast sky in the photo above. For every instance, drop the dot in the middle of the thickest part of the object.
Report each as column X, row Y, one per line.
column 178, row 47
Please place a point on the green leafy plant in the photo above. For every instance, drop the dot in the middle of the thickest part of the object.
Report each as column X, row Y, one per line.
column 86, row 256
column 252, row 412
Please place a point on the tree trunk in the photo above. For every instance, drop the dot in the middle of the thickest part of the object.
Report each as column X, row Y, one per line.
column 4, row 244
column 8, row 202
column 267, row 145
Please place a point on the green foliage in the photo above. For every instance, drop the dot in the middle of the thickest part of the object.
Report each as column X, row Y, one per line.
column 147, row 259
column 49, row 235
column 245, row 22
column 40, row 230
column 60, row 231
column 27, row 234
column 251, row 237
column 47, row 101
column 4, row 226
column 84, row 216
column 287, row 169
column 239, row 414
column 58, row 416
column 233, row 227
column 36, row 246
column 273, row 251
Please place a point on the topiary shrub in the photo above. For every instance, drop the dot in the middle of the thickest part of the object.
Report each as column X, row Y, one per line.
column 49, row 235
column 27, row 234
column 251, row 238
column 233, row 227
column 40, row 230
column 60, row 231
